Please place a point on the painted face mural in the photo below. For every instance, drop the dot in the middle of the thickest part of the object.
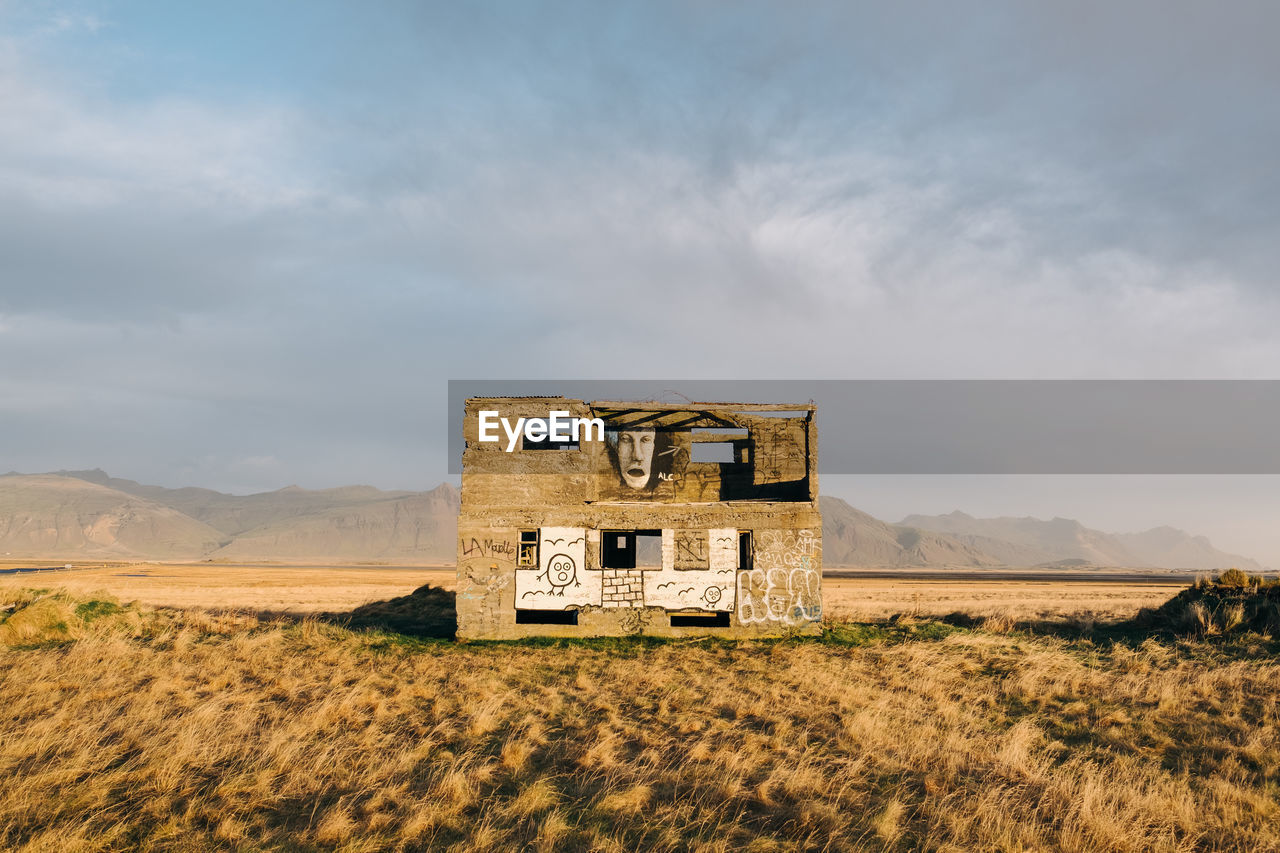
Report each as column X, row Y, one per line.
column 635, row 457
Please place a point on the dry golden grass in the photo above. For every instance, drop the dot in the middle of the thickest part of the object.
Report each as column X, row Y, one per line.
column 873, row 598
column 293, row 589
column 126, row 727
column 309, row 589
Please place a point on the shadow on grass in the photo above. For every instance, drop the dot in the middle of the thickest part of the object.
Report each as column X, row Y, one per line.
column 1131, row 632
column 428, row 612
column 1234, row 612
column 1237, row 614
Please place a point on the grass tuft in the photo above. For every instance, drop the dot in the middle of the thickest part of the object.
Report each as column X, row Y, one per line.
column 1228, row 605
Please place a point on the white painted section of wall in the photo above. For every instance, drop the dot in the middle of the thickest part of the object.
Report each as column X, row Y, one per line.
column 685, row 590
column 723, row 545
column 561, row 580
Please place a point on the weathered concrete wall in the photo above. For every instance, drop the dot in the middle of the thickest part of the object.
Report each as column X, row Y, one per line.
column 571, row 497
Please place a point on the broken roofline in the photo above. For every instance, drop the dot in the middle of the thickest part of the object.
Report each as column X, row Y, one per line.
column 655, row 406
column 650, row 406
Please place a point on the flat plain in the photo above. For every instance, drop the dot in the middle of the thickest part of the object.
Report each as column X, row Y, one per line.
column 309, row 589
column 212, row 707
column 247, row 587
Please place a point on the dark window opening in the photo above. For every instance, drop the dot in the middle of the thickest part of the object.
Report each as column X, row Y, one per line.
column 700, row 620
column 618, row 549
column 528, row 555
column 546, row 617
column 630, row 549
column 746, row 552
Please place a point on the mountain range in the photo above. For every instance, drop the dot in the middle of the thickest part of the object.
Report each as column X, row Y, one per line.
column 1032, row 541
column 91, row 515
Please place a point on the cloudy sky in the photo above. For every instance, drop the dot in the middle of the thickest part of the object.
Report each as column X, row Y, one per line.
column 245, row 245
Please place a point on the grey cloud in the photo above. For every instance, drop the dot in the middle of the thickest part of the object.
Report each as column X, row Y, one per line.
column 126, row 262
column 688, row 189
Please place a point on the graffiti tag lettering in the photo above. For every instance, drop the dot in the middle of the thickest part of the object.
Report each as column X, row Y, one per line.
column 790, row 596
column 691, row 549
column 486, row 548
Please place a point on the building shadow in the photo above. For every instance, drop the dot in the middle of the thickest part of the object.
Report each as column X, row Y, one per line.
column 427, row 612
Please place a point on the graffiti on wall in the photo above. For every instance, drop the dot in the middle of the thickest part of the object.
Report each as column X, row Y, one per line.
column 787, row 549
column 642, row 458
column 723, row 550
column 688, row 590
column 790, row 596
column 779, row 453
column 691, row 549
column 784, row 585
column 560, row 580
column 648, row 456
column 473, row 547
column 563, row 579
column 483, row 582
column 707, row 587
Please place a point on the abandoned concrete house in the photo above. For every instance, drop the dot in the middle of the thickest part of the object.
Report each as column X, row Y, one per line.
column 700, row 518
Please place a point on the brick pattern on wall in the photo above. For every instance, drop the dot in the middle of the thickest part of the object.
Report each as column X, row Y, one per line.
column 622, row 588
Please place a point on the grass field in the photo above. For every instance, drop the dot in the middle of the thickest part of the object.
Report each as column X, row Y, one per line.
column 309, row 589
column 293, row 589
column 138, row 726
